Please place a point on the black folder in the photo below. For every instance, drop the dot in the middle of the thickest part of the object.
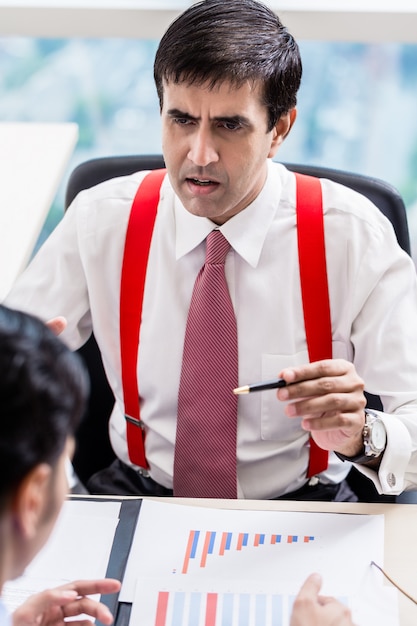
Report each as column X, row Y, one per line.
column 128, row 517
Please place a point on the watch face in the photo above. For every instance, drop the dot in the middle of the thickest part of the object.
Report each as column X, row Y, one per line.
column 378, row 435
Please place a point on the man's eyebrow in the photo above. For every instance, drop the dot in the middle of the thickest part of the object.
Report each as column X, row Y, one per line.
column 182, row 114
column 240, row 120
column 229, row 119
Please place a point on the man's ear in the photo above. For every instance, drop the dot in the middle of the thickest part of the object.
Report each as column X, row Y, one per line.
column 281, row 130
column 30, row 500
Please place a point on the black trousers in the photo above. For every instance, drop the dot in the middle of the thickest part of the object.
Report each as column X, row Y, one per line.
column 121, row 480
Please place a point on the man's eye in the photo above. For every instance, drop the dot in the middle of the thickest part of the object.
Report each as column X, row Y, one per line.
column 182, row 121
column 231, row 125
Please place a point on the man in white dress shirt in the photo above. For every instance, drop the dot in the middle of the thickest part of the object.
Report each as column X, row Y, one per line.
column 227, row 75
column 42, row 398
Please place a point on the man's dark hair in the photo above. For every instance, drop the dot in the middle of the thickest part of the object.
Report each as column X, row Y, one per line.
column 43, row 390
column 232, row 40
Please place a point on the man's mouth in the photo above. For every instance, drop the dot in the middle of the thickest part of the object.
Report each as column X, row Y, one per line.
column 201, row 182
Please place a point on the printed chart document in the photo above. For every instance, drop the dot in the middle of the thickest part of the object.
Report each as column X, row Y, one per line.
column 79, row 547
column 198, row 566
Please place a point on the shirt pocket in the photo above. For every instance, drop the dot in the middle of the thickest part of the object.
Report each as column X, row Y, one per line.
column 275, row 425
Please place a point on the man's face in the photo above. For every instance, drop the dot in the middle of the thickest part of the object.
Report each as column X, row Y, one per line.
column 215, row 145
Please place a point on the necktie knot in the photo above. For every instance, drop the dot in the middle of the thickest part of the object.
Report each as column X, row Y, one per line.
column 217, row 248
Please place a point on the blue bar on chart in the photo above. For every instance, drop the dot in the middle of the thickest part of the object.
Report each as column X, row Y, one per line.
column 191, row 548
column 242, row 540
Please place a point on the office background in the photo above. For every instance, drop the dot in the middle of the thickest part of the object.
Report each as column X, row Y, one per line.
column 356, row 106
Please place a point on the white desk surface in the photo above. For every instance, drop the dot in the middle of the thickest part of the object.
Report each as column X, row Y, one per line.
column 33, row 158
column 331, row 20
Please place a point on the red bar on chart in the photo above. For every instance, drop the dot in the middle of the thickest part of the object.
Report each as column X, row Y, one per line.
column 191, row 548
column 211, row 609
column 161, row 609
column 240, row 541
column 205, row 549
column 223, row 543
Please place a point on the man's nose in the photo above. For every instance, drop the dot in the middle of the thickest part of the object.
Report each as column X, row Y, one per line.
column 203, row 150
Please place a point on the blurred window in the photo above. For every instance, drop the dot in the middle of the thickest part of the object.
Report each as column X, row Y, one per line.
column 356, row 106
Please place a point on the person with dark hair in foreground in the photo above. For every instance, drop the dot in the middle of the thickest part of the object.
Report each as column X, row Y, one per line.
column 227, row 76
column 43, row 388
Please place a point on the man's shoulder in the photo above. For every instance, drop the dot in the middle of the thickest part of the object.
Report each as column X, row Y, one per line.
column 336, row 194
column 121, row 188
column 108, row 204
column 345, row 209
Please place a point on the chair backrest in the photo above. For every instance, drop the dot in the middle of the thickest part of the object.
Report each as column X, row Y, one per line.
column 93, row 449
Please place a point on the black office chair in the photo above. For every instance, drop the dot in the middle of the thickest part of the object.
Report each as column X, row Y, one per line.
column 93, row 450
column 384, row 195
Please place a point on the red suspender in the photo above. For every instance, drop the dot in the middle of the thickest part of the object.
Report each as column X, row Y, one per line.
column 135, row 261
column 314, row 287
column 314, row 291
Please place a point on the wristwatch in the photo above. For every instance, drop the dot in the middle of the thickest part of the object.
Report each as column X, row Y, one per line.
column 374, row 440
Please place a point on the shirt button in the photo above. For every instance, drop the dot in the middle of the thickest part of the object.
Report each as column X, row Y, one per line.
column 391, row 480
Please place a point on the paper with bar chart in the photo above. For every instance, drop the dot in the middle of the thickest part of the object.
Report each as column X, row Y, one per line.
column 198, row 566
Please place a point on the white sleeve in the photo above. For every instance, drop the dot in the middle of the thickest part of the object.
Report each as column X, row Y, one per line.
column 54, row 283
column 374, row 290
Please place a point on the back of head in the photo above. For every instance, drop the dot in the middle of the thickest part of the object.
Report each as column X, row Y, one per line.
column 236, row 41
column 43, row 389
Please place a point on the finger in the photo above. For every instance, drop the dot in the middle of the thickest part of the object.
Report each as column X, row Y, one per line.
column 336, row 389
column 311, row 586
column 347, row 424
column 50, row 600
column 306, row 604
column 317, row 369
column 332, row 406
column 61, row 600
column 57, row 325
column 88, row 606
column 91, row 587
column 342, row 383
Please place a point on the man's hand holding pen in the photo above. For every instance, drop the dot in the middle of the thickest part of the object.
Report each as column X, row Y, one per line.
column 329, row 397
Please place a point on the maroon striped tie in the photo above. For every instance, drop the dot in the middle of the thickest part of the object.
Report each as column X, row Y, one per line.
column 205, row 447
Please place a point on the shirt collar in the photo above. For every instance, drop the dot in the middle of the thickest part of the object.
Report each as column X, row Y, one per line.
column 246, row 232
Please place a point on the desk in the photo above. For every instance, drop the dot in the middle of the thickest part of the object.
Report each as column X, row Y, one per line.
column 400, row 542
column 86, row 550
column 33, row 158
